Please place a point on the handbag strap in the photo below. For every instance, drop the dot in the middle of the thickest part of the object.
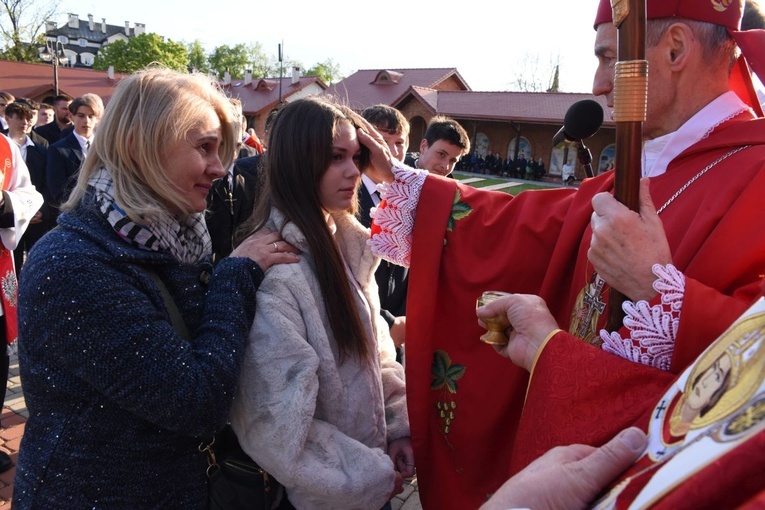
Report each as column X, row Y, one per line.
column 175, row 315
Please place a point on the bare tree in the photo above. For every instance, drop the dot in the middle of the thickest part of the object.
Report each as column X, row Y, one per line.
column 535, row 73
column 22, row 25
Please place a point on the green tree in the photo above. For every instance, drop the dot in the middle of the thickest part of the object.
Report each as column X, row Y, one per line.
column 327, row 71
column 140, row 51
column 197, row 57
column 236, row 59
column 22, row 27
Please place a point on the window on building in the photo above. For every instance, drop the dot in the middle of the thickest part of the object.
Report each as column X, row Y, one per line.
column 87, row 59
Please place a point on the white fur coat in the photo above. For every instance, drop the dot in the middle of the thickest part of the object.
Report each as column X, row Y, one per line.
column 320, row 427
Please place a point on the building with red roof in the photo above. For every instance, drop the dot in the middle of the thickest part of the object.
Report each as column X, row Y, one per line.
column 497, row 122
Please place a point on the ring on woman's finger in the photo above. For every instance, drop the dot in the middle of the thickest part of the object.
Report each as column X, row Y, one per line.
column 276, row 248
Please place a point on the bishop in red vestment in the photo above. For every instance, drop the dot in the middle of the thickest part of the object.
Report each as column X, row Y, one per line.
column 465, row 402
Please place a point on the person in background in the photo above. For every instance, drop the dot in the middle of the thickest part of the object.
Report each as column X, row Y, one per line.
column 442, row 146
column 65, row 157
column 321, row 403
column 5, row 99
column 251, row 139
column 62, row 122
column 131, row 340
column 391, row 279
column 231, row 199
column 34, row 106
column 45, row 115
column 20, row 121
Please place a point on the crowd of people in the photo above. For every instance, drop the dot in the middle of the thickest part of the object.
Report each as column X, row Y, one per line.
column 198, row 279
column 519, row 167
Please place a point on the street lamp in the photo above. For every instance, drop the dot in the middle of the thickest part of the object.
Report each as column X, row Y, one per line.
column 54, row 53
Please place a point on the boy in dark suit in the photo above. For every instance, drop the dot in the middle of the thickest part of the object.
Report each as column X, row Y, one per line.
column 20, row 121
column 392, row 280
column 65, row 157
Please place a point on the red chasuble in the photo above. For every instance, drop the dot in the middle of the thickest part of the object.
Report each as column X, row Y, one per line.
column 465, row 400
column 8, row 283
column 717, row 460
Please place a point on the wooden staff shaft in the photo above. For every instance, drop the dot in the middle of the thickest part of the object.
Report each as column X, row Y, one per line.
column 630, row 102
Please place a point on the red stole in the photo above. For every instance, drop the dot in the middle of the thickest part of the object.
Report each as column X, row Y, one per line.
column 8, row 283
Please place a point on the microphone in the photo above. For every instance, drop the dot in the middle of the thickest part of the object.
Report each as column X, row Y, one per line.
column 582, row 120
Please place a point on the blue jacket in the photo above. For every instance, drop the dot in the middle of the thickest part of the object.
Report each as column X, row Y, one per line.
column 117, row 399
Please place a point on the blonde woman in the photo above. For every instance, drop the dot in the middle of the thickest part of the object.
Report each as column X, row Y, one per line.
column 118, row 395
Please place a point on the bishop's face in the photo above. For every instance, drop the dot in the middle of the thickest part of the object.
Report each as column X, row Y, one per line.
column 660, row 90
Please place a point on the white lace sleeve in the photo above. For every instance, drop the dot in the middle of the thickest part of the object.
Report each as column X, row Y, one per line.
column 653, row 329
column 394, row 217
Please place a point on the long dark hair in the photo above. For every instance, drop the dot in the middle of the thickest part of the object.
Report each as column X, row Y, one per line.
column 299, row 153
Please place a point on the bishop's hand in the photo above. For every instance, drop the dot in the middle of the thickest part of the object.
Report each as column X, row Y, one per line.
column 531, row 322
column 625, row 244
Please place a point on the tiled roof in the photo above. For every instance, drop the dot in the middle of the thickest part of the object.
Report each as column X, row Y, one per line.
column 263, row 93
column 36, row 80
column 368, row 87
column 538, row 107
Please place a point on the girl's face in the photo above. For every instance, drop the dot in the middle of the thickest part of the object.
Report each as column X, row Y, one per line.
column 337, row 187
column 192, row 163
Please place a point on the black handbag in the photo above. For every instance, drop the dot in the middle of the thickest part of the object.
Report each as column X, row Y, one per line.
column 235, row 481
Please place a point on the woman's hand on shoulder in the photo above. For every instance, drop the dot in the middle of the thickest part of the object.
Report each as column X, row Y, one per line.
column 267, row 248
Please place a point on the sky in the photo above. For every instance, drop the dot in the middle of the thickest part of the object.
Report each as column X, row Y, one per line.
column 490, row 42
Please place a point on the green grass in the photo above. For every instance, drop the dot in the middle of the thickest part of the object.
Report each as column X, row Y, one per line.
column 494, row 180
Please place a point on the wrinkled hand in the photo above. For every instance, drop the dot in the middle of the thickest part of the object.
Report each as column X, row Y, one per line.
column 625, row 245
column 401, row 453
column 266, row 248
column 398, row 331
column 379, row 152
column 569, row 477
column 531, row 322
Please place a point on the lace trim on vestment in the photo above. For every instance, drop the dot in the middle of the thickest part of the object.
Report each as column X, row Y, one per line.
column 653, row 329
column 394, row 218
column 724, row 120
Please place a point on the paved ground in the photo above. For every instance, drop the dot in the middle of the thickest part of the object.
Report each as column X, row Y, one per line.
column 12, row 421
column 14, row 417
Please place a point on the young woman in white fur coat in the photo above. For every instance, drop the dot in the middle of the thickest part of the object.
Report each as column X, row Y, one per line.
column 321, row 403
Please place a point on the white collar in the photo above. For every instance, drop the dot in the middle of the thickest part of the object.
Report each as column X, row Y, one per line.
column 27, row 141
column 659, row 152
column 83, row 141
column 371, row 187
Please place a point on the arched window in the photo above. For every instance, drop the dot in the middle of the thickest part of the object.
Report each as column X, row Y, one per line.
column 524, row 148
column 606, row 161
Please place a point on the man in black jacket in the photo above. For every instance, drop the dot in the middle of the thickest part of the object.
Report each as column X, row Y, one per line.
column 230, row 202
column 62, row 122
column 392, row 280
